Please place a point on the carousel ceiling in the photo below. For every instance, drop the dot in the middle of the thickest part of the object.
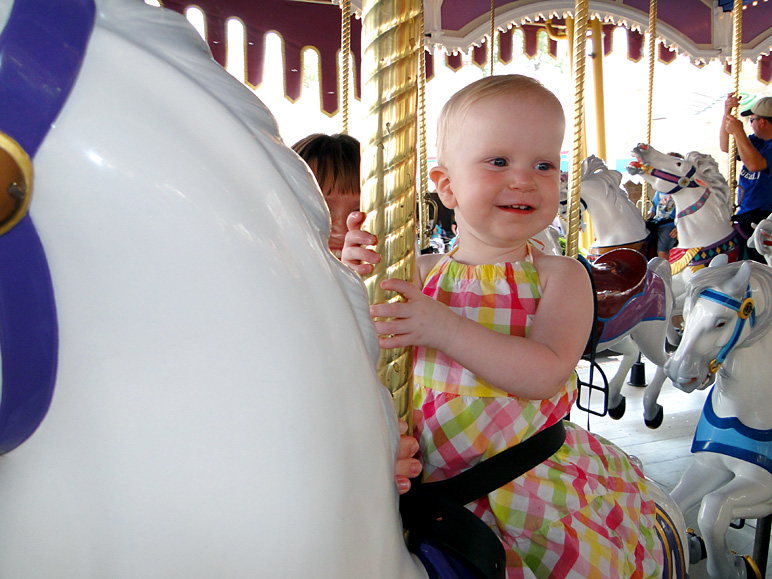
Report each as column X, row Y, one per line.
column 700, row 29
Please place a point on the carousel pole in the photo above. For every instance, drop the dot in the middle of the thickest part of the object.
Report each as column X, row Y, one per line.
column 345, row 49
column 391, row 40
column 645, row 197
column 424, row 228
column 737, row 32
column 597, row 75
column 574, row 174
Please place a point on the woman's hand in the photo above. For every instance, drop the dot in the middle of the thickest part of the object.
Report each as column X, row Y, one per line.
column 407, row 466
column 356, row 253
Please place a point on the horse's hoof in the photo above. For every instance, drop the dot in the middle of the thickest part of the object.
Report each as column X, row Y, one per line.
column 618, row 411
column 655, row 422
column 697, row 550
column 752, row 570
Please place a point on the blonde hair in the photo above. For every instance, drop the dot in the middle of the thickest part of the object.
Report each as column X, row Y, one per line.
column 454, row 111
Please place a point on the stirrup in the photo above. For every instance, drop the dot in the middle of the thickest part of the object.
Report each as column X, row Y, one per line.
column 751, row 569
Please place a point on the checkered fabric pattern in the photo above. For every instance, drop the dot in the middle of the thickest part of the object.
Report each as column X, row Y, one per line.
column 584, row 513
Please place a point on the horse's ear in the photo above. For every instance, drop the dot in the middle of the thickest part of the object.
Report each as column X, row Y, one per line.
column 739, row 282
column 719, row 260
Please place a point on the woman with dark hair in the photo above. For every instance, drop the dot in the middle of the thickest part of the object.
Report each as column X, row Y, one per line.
column 334, row 161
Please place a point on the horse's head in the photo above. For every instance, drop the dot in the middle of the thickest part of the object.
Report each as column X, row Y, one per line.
column 216, row 377
column 666, row 173
column 721, row 316
column 598, row 183
column 761, row 240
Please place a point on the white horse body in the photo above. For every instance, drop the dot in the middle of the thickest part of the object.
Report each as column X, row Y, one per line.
column 617, row 222
column 727, row 484
column 216, row 412
column 702, row 200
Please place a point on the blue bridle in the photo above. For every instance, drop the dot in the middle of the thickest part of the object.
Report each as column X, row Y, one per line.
column 745, row 313
column 41, row 51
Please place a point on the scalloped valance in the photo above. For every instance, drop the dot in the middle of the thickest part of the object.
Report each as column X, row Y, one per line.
column 701, row 29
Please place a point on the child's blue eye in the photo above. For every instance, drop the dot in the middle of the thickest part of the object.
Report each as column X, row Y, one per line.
column 499, row 162
column 545, row 166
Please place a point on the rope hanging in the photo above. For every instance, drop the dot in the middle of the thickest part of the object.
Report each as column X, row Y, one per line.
column 574, row 175
column 737, row 28
column 493, row 30
column 645, row 202
column 345, row 49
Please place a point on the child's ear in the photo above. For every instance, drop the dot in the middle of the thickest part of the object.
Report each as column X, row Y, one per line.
column 439, row 175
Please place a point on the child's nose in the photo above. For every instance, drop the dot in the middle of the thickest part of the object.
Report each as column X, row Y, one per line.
column 520, row 180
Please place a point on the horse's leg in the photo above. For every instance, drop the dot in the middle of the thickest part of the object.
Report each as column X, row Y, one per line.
column 747, row 495
column 616, row 402
column 704, row 474
column 653, row 413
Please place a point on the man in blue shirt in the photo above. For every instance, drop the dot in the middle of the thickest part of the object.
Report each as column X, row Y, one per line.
column 755, row 152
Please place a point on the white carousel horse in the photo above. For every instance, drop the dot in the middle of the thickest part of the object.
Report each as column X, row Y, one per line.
column 188, row 382
column 703, row 211
column 761, row 240
column 617, row 223
column 216, row 410
column 727, row 339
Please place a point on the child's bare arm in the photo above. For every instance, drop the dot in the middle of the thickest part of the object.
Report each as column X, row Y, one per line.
column 535, row 367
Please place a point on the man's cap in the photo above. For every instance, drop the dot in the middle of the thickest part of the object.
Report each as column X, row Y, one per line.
column 761, row 108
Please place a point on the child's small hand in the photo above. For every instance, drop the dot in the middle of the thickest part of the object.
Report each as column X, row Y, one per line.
column 355, row 253
column 418, row 321
column 407, row 467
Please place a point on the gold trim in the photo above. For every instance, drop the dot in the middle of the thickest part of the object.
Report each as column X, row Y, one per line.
column 15, row 183
column 669, row 553
column 678, row 266
column 746, row 308
column 752, row 564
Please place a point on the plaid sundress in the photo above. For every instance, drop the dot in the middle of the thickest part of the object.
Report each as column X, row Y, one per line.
column 582, row 514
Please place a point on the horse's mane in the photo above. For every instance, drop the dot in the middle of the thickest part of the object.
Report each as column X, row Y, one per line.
column 712, row 277
column 595, row 174
column 707, row 171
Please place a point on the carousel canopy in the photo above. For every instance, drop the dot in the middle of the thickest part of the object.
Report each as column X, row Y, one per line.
column 700, row 29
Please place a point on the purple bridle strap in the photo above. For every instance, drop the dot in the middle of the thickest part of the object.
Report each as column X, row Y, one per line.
column 680, row 181
column 41, row 51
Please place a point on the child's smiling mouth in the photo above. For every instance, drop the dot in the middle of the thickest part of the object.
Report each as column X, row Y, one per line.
column 516, row 207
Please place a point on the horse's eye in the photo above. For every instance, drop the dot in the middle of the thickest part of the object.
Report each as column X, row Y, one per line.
column 720, row 324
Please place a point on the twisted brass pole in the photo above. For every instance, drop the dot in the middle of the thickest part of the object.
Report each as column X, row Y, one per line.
column 424, row 230
column 345, row 49
column 737, row 32
column 390, row 37
column 644, row 202
column 574, row 174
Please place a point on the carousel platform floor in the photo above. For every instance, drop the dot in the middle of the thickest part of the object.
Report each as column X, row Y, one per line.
column 664, row 452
